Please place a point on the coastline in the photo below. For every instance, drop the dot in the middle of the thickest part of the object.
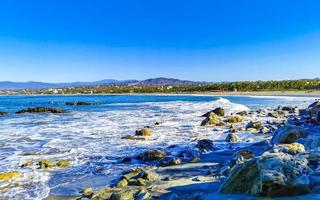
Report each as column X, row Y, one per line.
column 227, row 93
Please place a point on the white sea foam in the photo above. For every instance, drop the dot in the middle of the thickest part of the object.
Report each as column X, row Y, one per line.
column 91, row 140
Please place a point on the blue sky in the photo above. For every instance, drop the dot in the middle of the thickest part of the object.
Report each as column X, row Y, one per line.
column 209, row 40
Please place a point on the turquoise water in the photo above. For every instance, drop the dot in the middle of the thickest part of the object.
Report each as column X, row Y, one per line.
column 89, row 136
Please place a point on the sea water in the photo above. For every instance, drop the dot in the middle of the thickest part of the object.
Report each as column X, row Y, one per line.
column 90, row 136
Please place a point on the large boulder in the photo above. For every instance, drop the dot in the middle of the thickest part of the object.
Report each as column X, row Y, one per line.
column 218, row 111
column 314, row 110
column 272, row 174
column 288, row 134
column 213, row 120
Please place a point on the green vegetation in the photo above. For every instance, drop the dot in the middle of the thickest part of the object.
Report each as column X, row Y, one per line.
column 256, row 86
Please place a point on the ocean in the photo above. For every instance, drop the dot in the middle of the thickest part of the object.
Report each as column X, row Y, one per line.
column 90, row 136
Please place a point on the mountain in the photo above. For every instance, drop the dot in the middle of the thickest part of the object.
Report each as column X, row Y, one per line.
column 166, row 81
column 9, row 85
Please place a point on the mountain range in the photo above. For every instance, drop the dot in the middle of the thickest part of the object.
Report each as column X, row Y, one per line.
column 9, row 85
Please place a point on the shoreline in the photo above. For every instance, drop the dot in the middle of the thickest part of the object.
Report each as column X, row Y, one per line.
column 256, row 93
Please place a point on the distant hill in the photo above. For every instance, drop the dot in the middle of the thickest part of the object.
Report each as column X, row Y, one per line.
column 8, row 85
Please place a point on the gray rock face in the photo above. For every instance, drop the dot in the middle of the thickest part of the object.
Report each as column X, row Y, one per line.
column 288, row 134
column 272, row 174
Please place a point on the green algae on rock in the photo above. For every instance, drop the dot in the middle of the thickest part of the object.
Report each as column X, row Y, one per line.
column 151, row 155
column 41, row 110
column 143, row 132
column 9, row 175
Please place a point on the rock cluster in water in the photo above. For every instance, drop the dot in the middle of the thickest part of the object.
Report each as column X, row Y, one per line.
column 41, row 110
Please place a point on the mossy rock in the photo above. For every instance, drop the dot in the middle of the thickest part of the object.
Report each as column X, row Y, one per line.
column 274, row 115
column 242, row 113
column 293, row 148
column 218, row 111
column 151, row 155
column 194, row 160
column 27, row 164
column 144, row 132
column 255, row 125
column 79, row 103
column 44, row 164
column 235, row 119
column 9, row 175
column 122, row 183
column 233, row 138
column 3, row 113
column 41, row 110
column 63, row 163
column 212, row 120
column 131, row 137
column 87, row 192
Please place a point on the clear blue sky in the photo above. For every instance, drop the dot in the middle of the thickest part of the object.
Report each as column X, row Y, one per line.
column 210, row 40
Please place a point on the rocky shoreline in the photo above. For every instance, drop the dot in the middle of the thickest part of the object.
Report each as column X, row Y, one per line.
column 285, row 161
column 281, row 159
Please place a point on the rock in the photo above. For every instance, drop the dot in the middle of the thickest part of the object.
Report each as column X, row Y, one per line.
column 143, row 195
column 41, row 110
column 274, row 115
column 131, row 137
column 314, row 179
column 63, row 163
column 9, row 175
column 79, row 103
column 262, row 111
column 290, row 109
column 122, row 183
column 134, row 174
column 194, row 160
column 264, row 130
column 218, row 111
column 255, row 125
column 288, row 134
column 144, row 132
column 232, row 138
column 102, row 194
column 44, row 164
column 3, row 113
column 141, row 182
column 242, row 113
column 205, row 145
column 293, row 148
column 27, row 164
column 213, row 120
column 151, row 155
column 252, row 130
column 170, row 162
column 242, row 155
column 235, row 119
column 87, row 192
column 314, row 110
column 123, row 195
column 126, row 160
column 276, row 174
